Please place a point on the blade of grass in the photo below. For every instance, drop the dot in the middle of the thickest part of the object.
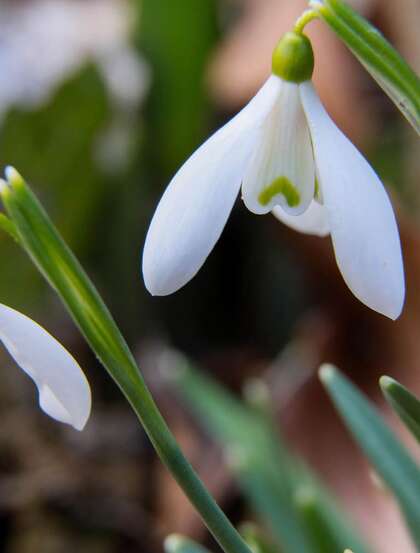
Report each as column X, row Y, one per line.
column 266, row 472
column 323, row 528
column 392, row 462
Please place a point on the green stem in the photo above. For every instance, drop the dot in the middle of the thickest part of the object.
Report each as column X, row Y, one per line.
column 304, row 19
column 60, row 267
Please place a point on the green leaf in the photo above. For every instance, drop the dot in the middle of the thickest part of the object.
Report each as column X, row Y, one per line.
column 320, row 522
column 267, row 473
column 404, row 403
column 175, row 543
column 376, row 54
column 256, row 538
column 391, row 460
column 42, row 242
column 8, row 226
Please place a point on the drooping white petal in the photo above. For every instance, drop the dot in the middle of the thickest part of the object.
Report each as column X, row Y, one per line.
column 64, row 392
column 282, row 169
column 196, row 205
column 312, row 221
column 362, row 222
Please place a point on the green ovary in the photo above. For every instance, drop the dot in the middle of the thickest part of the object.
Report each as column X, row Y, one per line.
column 280, row 185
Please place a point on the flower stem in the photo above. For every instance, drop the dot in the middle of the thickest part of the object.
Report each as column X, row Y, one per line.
column 57, row 263
column 304, row 19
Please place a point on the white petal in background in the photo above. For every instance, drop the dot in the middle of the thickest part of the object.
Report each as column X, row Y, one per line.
column 64, row 392
column 43, row 41
column 284, row 150
column 313, row 221
column 197, row 202
column 362, row 222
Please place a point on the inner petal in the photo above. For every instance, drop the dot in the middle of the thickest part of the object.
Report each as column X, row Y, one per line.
column 281, row 170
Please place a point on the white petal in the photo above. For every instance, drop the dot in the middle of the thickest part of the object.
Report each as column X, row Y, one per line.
column 283, row 158
column 64, row 392
column 196, row 205
column 362, row 222
column 313, row 221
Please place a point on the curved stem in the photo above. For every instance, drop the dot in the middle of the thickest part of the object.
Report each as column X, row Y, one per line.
column 57, row 263
column 304, row 19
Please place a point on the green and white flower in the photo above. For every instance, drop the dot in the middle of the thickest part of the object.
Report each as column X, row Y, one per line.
column 290, row 158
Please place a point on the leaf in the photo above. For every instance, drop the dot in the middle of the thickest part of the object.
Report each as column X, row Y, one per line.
column 376, row 54
column 392, row 462
column 267, row 473
column 256, row 539
column 320, row 522
column 404, row 403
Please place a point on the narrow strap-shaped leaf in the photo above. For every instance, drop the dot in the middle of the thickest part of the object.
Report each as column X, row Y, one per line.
column 175, row 543
column 267, row 473
column 391, row 460
column 256, row 538
column 376, row 54
column 319, row 526
column 41, row 240
column 404, row 403
column 253, row 453
column 8, row 226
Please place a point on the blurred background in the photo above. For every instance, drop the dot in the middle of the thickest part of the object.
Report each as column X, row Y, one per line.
column 100, row 103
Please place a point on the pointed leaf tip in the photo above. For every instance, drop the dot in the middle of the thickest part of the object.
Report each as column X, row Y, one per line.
column 405, row 404
column 176, row 543
column 12, row 175
column 386, row 382
column 172, row 543
column 327, row 372
column 392, row 461
column 305, row 496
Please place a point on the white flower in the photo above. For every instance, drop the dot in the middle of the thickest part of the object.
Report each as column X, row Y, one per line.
column 64, row 392
column 291, row 159
column 44, row 41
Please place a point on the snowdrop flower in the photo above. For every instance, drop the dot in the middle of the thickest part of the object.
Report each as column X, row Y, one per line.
column 44, row 41
column 292, row 160
column 64, row 392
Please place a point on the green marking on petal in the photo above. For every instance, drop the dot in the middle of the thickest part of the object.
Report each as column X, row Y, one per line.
column 316, row 192
column 280, row 185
